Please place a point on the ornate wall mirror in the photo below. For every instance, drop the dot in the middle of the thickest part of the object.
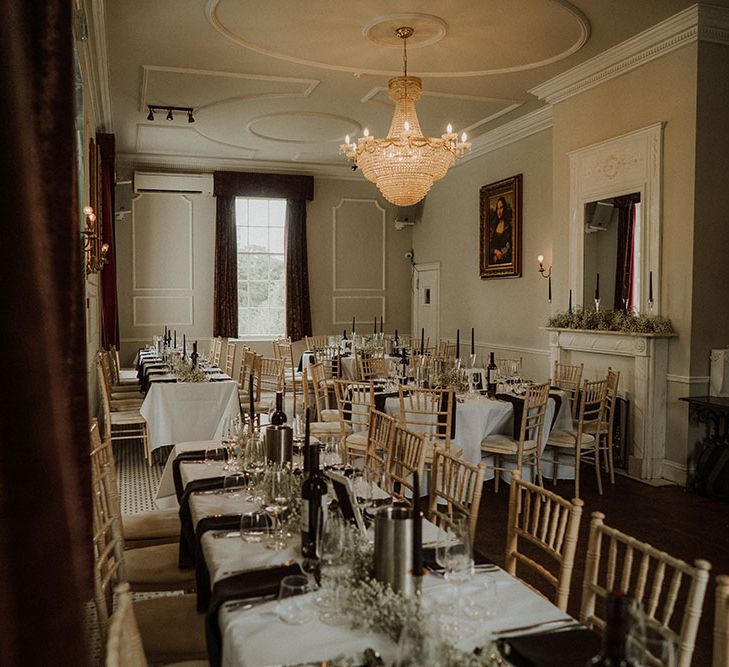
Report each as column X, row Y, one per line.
column 615, row 221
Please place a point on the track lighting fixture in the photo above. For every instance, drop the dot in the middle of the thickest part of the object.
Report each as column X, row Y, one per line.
column 154, row 108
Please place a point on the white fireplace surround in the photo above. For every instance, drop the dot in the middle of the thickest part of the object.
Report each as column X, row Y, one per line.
column 642, row 360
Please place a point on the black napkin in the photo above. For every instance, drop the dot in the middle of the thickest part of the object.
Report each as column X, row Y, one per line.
column 381, row 399
column 243, row 586
column 442, row 417
column 518, row 403
column 202, row 574
column 570, row 648
column 195, row 455
column 187, row 530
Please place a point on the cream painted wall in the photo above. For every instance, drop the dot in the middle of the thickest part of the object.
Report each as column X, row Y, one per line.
column 159, row 263
column 359, row 262
column 661, row 90
column 506, row 313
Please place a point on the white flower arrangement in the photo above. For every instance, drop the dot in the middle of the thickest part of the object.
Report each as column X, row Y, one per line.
column 186, row 372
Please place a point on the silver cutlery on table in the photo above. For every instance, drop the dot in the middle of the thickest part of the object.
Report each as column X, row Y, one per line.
column 561, row 623
column 230, row 573
column 219, row 534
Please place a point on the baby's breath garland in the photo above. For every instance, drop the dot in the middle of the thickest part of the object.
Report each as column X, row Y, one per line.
column 610, row 320
column 186, row 372
column 452, row 378
column 376, row 607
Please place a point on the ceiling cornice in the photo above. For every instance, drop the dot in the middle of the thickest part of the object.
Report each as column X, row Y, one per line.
column 519, row 128
column 94, row 63
column 205, row 165
column 698, row 22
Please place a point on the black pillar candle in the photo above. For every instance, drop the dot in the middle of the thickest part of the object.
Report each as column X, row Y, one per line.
column 422, row 341
column 251, row 398
column 184, row 346
column 570, row 306
column 458, row 343
column 344, row 334
column 396, row 338
column 353, row 329
column 382, row 330
column 473, row 341
column 174, row 341
column 550, row 289
column 374, row 329
column 417, row 529
column 597, row 287
column 650, row 286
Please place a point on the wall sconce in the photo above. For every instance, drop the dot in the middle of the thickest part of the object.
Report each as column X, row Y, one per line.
column 546, row 274
column 154, row 108
column 96, row 251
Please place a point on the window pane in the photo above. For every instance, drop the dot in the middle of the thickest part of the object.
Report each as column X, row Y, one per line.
column 258, row 239
column 276, row 236
column 242, row 236
column 276, row 293
column 242, row 266
column 258, row 267
column 242, row 295
column 258, row 293
column 258, row 212
column 241, row 211
column 276, row 267
column 277, row 211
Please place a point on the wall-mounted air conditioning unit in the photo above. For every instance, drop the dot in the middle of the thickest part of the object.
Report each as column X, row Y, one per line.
column 192, row 184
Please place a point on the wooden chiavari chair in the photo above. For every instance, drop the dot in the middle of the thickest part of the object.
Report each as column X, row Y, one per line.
column 246, row 369
column 122, row 424
column 527, row 447
column 320, row 385
column 318, row 342
column 268, row 378
column 603, row 431
column 122, row 376
column 371, row 367
column 508, row 367
column 229, row 359
column 318, row 426
column 547, row 521
column 568, row 377
column 379, row 439
column 578, row 442
column 455, row 489
column 329, row 358
column 405, row 457
column 354, row 401
column 721, row 622
column 217, row 351
column 445, row 350
column 617, row 562
column 122, row 397
column 283, row 349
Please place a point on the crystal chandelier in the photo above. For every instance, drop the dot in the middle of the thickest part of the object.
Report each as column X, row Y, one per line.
column 405, row 164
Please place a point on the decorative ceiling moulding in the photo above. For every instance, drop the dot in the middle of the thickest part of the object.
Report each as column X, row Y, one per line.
column 326, row 121
column 559, row 16
column 340, row 171
column 698, row 22
column 515, row 130
column 143, row 142
column 303, row 87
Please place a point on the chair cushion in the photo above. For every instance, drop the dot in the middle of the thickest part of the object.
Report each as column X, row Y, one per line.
column 171, row 628
column 330, row 415
column 328, row 428
column 151, row 525
column 127, row 417
column 155, row 568
column 503, row 444
column 357, row 440
column 561, row 438
column 127, row 374
column 591, row 427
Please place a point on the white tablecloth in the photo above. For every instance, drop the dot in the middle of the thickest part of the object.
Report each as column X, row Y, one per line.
column 185, row 411
column 166, row 490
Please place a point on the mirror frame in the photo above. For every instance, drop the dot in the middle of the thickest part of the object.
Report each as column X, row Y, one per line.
column 629, row 163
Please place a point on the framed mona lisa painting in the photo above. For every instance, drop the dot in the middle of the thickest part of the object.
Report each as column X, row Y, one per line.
column 500, row 237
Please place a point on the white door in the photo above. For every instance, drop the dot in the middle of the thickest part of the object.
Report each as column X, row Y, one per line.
column 426, row 302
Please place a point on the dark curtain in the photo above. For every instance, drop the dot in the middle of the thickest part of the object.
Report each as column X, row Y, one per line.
column 109, row 303
column 298, row 309
column 624, row 255
column 45, row 549
column 297, row 190
column 225, row 300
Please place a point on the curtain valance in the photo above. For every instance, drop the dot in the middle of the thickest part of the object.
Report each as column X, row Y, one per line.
column 244, row 184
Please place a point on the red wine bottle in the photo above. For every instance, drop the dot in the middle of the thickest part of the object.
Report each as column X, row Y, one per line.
column 491, row 372
column 615, row 634
column 278, row 417
column 313, row 494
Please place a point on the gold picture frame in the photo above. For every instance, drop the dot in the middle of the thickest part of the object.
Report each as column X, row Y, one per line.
column 500, row 229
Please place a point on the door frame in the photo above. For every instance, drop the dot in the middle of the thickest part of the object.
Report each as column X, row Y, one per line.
column 425, row 266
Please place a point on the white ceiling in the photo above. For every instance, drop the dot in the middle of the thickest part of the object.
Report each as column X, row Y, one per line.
column 277, row 84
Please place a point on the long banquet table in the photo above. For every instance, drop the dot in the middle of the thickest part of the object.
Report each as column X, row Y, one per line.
column 254, row 636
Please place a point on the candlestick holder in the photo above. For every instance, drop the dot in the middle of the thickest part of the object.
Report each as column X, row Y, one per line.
column 651, row 303
column 597, row 305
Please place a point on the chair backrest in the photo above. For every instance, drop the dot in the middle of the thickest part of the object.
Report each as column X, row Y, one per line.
column 427, row 411
column 316, row 342
column 371, row 367
column 124, row 646
column 618, row 562
column 229, row 358
column 568, row 378
column 268, row 375
column 217, row 350
column 721, row 622
column 329, row 358
column 508, row 367
column 248, row 359
column 445, row 350
column 104, row 396
column 417, row 348
column 354, row 401
column 535, row 407
column 406, row 456
column 613, row 378
column 113, row 356
column 379, row 441
column 550, row 523
column 593, row 398
column 319, row 388
column 455, row 489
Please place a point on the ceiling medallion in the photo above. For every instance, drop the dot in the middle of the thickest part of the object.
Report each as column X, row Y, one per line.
column 405, row 164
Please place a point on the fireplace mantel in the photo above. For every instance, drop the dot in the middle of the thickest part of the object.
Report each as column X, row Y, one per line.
column 642, row 360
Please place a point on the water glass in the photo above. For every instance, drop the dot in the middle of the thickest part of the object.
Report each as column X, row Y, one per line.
column 235, row 484
column 254, row 526
column 294, row 607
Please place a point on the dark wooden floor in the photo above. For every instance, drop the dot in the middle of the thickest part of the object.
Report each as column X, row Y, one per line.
column 682, row 524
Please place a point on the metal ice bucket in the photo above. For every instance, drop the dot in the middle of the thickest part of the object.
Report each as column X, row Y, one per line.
column 394, row 548
column 279, row 443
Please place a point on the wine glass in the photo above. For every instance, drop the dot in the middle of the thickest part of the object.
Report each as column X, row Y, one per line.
column 458, row 559
column 235, row 484
column 254, row 526
column 293, row 606
column 215, row 454
column 277, row 497
column 331, row 552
